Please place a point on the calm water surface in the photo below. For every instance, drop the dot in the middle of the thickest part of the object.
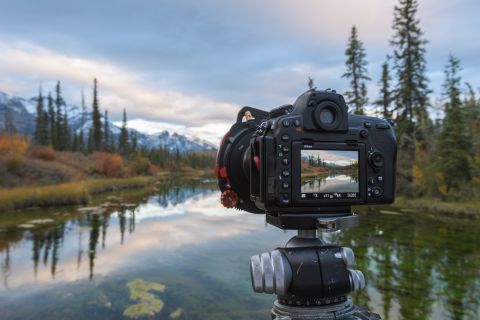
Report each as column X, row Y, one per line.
column 79, row 265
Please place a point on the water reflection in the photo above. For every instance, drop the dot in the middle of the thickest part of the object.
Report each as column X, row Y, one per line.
column 417, row 266
column 330, row 183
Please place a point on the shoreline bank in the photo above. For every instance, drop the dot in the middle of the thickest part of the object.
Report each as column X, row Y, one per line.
column 79, row 192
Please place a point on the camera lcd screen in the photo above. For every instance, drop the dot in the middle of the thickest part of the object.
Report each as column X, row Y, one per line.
column 329, row 174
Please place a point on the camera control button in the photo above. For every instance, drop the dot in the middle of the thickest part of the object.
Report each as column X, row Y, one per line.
column 364, row 133
column 285, row 161
column 286, row 173
column 382, row 126
column 380, row 179
column 286, row 123
column 367, row 124
column 285, row 137
column 371, row 181
column 285, row 185
column 296, row 122
column 285, row 149
column 377, row 192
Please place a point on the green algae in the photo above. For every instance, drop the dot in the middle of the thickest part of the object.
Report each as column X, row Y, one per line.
column 176, row 314
column 149, row 304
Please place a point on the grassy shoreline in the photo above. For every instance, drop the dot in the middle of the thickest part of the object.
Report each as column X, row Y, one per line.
column 460, row 209
column 70, row 193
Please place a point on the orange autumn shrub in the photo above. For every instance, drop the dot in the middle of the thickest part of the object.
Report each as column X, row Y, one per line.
column 153, row 170
column 109, row 165
column 13, row 145
column 43, row 153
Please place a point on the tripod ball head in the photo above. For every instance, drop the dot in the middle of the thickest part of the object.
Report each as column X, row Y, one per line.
column 318, row 272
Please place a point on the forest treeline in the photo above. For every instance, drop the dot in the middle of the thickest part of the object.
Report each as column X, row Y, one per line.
column 92, row 137
column 437, row 156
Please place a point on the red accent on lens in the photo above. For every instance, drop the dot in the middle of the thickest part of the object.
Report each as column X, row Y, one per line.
column 229, row 198
column 256, row 160
column 223, row 172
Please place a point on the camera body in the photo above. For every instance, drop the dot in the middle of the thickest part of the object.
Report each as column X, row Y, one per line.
column 309, row 158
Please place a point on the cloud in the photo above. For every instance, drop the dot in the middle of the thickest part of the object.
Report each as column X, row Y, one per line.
column 119, row 87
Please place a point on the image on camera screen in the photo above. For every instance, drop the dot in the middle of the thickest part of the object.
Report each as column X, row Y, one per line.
column 329, row 174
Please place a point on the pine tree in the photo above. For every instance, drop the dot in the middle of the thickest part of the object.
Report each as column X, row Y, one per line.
column 411, row 91
column 9, row 122
column 311, row 83
column 97, row 133
column 67, row 139
column 356, row 65
column 59, row 119
column 106, row 133
column 52, row 122
column 455, row 142
column 133, row 142
column 81, row 135
column 90, row 141
column 41, row 125
column 123, row 138
column 385, row 100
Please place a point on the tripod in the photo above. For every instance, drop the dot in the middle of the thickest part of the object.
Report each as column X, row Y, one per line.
column 311, row 279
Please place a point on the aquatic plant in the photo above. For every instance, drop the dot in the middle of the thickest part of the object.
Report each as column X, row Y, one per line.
column 149, row 304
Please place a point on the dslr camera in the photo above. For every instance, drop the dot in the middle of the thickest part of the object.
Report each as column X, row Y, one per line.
column 311, row 159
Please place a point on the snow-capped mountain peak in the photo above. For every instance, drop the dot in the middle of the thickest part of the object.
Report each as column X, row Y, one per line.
column 23, row 112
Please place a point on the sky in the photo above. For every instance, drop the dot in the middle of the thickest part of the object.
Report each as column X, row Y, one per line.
column 192, row 64
column 338, row 157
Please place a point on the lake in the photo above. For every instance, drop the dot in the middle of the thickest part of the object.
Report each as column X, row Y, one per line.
column 175, row 251
column 329, row 183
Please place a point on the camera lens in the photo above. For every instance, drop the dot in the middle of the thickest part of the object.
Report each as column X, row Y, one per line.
column 327, row 116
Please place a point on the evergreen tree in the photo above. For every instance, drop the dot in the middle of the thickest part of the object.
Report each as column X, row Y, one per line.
column 123, row 138
column 75, row 143
column 41, row 122
column 356, row 73
column 67, row 139
column 97, row 132
column 133, row 142
column 81, row 136
column 52, row 122
column 59, row 119
column 90, row 142
column 455, row 142
column 9, row 122
column 107, row 133
column 410, row 93
column 385, row 100
column 311, row 83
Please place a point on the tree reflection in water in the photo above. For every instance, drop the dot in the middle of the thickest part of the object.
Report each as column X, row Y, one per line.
column 417, row 266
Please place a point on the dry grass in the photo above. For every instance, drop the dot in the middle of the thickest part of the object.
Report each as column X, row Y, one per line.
column 464, row 208
column 72, row 193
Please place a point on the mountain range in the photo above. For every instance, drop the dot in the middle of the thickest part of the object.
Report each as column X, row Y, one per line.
column 21, row 112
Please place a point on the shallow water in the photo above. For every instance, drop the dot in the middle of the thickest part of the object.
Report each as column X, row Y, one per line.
column 78, row 265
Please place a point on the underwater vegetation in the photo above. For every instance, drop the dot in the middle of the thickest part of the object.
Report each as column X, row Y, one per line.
column 149, row 304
